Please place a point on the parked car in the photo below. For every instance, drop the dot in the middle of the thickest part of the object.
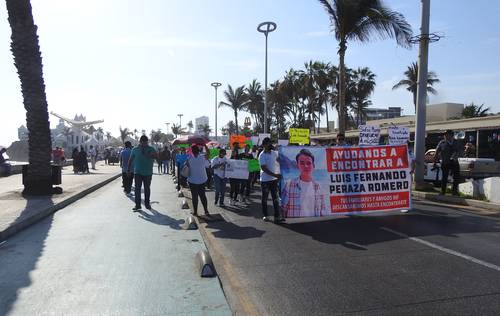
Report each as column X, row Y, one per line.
column 475, row 168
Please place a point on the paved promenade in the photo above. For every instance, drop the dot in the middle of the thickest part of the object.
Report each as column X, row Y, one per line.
column 18, row 212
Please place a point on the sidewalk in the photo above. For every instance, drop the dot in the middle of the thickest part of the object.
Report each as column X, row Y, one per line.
column 485, row 207
column 18, row 212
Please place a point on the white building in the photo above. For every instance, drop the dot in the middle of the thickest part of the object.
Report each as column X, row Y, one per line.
column 199, row 123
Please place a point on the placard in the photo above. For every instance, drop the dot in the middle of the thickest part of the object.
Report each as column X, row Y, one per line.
column 237, row 169
column 299, row 136
column 322, row 181
column 369, row 135
column 240, row 139
column 398, row 135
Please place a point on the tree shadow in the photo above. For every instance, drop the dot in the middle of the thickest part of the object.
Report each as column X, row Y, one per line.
column 229, row 230
column 17, row 261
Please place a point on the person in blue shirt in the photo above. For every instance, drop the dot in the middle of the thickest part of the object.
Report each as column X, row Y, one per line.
column 142, row 158
column 126, row 177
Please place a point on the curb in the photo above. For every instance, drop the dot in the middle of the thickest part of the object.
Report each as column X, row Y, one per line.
column 19, row 226
column 456, row 200
column 235, row 292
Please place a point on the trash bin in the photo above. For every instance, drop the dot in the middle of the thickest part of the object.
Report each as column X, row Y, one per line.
column 56, row 175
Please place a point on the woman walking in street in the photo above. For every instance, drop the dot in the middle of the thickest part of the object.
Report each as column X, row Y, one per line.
column 219, row 167
column 197, row 179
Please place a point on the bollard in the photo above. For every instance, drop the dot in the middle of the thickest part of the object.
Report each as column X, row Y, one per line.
column 205, row 264
column 185, row 205
column 180, row 194
column 190, row 223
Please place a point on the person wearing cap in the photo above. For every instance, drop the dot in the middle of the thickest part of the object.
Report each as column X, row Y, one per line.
column 269, row 177
column 447, row 150
column 126, row 177
column 142, row 158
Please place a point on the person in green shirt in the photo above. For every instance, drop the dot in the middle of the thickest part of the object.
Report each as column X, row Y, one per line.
column 142, row 159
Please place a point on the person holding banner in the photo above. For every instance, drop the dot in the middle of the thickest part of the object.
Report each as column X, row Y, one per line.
column 197, row 179
column 219, row 168
column 245, row 183
column 302, row 196
column 269, row 177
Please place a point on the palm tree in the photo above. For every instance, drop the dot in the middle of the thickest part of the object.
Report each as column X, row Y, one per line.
column 28, row 61
column 255, row 104
column 177, row 130
column 363, row 84
column 474, row 110
column 205, row 128
column 410, row 82
column 124, row 133
column 360, row 20
column 229, row 129
column 236, row 100
column 108, row 136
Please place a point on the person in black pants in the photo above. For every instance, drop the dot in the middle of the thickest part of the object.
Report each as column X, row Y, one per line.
column 269, row 178
column 447, row 150
column 245, row 183
column 142, row 158
column 197, row 179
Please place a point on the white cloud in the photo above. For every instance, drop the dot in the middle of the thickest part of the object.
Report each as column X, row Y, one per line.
column 317, row 34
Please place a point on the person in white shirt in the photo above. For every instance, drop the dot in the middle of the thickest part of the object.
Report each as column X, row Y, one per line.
column 219, row 167
column 197, row 179
column 93, row 156
column 269, row 177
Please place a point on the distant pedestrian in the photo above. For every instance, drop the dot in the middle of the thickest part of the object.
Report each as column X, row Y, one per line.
column 106, row 155
column 447, row 150
column 82, row 160
column 269, row 177
column 197, row 179
column 93, row 156
column 165, row 157
column 219, row 168
column 234, row 184
column 142, row 159
column 127, row 178
column 159, row 163
column 74, row 156
column 245, row 183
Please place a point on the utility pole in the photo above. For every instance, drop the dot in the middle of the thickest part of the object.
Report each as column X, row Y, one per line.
column 422, row 95
column 216, row 85
column 180, row 120
column 266, row 28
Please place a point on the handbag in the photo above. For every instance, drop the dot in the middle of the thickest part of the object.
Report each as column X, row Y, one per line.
column 185, row 170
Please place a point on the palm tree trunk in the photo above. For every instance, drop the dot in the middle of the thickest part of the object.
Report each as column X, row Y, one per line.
column 327, row 120
column 341, row 92
column 236, row 121
column 415, row 101
column 28, row 61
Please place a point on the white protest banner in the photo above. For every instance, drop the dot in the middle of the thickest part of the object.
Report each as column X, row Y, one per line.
column 237, row 169
column 261, row 137
column 398, row 135
column 369, row 135
column 344, row 180
column 282, row 142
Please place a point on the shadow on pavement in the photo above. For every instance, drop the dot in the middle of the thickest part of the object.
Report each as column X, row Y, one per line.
column 158, row 218
column 17, row 264
column 230, row 230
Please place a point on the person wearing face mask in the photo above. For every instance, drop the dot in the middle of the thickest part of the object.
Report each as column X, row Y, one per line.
column 303, row 196
column 142, row 158
column 448, row 150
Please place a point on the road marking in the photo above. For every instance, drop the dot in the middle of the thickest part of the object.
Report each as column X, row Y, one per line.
column 448, row 251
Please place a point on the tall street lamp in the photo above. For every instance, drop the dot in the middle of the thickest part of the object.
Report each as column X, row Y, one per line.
column 266, row 28
column 180, row 119
column 216, row 85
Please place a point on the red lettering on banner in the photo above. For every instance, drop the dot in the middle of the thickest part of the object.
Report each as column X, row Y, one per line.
column 341, row 159
column 370, row 202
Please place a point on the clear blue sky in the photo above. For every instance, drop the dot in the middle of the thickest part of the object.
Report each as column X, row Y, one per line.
column 140, row 63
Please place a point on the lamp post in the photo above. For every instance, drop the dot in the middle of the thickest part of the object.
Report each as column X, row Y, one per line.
column 168, row 125
column 266, row 28
column 180, row 119
column 216, row 85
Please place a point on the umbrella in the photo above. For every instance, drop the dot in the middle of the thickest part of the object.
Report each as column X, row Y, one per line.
column 191, row 139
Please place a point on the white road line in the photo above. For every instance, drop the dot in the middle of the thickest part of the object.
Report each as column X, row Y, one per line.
column 443, row 249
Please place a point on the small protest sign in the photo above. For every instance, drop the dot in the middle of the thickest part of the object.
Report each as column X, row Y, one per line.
column 369, row 135
column 299, row 135
column 237, row 169
column 398, row 135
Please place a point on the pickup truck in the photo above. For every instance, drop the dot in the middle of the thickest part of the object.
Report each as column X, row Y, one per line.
column 475, row 168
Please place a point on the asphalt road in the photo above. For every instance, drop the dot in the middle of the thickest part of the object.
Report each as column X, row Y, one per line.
column 435, row 260
column 97, row 257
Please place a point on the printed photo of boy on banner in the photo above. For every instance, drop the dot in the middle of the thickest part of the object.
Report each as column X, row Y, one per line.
column 322, row 181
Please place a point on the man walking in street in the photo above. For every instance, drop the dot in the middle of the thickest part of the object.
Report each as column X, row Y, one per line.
column 165, row 157
column 142, row 158
column 448, row 150
column 269, row 177
column 127, row 178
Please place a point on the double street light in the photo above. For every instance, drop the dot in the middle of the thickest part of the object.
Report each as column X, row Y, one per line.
column 216, row 85
column 266, row 28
